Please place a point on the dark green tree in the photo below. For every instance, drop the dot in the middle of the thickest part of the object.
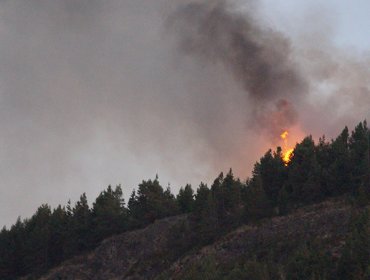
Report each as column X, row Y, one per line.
column 13, row 251
column 59, row 225
column 359, row 151
column 273, row 174
column 340, row 169
column 38, row 233
column 307, row 263
column 208, row 224
column 185, row 199
column 151, row 202
column 355, row 259
column 257, row 204
column 200, row 200
column 109, row 215
column 304, row 173
column 231, row 197
column 80, row 224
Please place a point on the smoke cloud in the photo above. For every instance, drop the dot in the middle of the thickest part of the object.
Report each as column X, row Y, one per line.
column 106, row 92
column 259, row 58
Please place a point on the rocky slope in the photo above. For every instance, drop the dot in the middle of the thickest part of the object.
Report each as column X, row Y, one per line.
column 144, row 254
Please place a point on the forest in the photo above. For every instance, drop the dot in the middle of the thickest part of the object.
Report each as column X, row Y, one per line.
column 316, row 172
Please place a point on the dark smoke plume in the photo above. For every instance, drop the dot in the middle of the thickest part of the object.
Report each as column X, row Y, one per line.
column 99, row 92
column 259, row 59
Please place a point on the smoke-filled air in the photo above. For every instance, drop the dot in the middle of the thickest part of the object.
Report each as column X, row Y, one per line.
column 94, row 92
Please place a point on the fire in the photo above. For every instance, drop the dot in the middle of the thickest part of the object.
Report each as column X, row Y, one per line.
column 287, row 156
column 284, row 135
column 287, row 152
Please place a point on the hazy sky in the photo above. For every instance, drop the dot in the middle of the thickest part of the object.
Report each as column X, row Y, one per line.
column 346, row 21
column 96, row 92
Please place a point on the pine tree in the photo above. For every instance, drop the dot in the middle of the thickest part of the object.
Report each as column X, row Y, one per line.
column 58, row 235
column 200, row 200
column 355, row 259
column 151, row 202
column 304, row 173
column 257, row 205
column 80, row 225
column 272, row 172
column 37, row 244
column 109, row 215
column 185, row 199
column 359, row 150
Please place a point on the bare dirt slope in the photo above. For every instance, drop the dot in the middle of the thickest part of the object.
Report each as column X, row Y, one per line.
column 326, row 222
column 143, row 254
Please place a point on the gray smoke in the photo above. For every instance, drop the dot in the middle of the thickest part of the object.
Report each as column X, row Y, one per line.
column 92, row 94
column 106, row 92
column 260, row 59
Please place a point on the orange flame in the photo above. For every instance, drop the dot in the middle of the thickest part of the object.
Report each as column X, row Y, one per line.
column 287, row 155
column 287, row 152
column 284, row 135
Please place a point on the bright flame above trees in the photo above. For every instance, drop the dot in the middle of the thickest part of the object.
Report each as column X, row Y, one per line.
column 284, row 136
column 287, row 152
column 287, row 156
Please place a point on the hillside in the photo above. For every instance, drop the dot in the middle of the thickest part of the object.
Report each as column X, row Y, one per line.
column 293, row 219
column 132, row 255
column 147, row 253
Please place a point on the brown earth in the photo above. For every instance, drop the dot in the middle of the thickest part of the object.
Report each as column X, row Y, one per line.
column 143, row 254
